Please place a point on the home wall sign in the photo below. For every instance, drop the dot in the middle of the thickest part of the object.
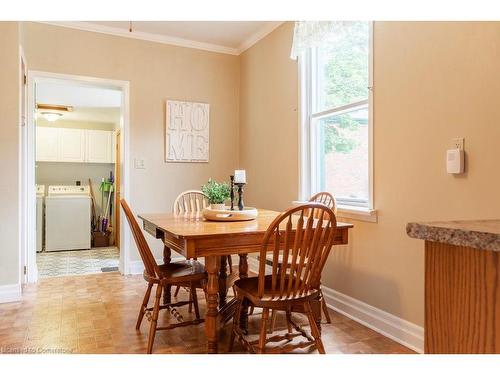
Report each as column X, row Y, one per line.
column 187, row 131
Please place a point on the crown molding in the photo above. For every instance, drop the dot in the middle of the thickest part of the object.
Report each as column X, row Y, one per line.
column 170, row 40
column 259, row 35
column 164, row 39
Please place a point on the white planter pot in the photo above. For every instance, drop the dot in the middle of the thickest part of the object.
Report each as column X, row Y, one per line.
column 218, row 206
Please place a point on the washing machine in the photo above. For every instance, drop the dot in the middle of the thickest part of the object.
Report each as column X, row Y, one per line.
column 40, row 194
column 67, row 218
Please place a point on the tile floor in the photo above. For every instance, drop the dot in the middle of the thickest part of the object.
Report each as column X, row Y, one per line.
column 76, row 262
column 97, row 314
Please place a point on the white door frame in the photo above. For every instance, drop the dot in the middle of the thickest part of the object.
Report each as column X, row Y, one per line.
column 23, row 108
column 29, row 214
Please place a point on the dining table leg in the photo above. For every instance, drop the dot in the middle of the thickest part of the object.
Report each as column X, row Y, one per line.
column 223, row 282
column 212, row 266
column 243, row 272
column 167, row 258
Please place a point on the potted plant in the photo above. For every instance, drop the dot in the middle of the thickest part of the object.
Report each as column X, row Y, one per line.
column 217, row 193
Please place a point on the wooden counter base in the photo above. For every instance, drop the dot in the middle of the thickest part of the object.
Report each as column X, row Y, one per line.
column 462, row 299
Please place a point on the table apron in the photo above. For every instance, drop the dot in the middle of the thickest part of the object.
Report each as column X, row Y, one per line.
column 228, row 244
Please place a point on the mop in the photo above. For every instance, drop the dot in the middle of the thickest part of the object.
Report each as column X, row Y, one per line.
column 105, row 218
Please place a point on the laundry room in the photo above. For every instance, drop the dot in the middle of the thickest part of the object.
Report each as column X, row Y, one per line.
column 77, row 133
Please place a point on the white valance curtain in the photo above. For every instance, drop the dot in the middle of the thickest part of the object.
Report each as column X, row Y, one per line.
column 309, row 34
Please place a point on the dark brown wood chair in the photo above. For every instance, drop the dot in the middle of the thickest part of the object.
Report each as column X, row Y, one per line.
column 325, row 198
column 328, row 200
column 190, row 275
column 294, row 286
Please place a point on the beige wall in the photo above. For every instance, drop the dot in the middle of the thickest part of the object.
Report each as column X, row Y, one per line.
column 433, row 82
column 9, row 151
column 156, row 72
column 268, row 121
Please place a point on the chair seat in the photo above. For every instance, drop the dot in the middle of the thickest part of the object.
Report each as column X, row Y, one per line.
column 248, row 288
column 182, row 272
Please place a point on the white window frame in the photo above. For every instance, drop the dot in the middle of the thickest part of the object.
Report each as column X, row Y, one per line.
column 307, row 178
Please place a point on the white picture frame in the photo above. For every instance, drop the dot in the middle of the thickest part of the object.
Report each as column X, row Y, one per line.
column 187, row 132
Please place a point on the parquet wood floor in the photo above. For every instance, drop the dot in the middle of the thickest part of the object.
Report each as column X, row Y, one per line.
column 97, row 314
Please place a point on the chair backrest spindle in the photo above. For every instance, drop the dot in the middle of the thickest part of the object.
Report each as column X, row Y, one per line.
column 190, row 201
column 303, row 236
column 325, row 198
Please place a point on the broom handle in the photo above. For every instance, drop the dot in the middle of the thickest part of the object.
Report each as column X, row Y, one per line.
column 107, row 205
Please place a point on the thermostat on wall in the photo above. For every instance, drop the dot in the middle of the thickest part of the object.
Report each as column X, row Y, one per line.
column 455, row 161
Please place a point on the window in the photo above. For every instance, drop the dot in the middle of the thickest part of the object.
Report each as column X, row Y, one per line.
column 336, row 116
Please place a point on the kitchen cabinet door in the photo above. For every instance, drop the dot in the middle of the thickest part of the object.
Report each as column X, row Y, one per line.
column 71, row 145
column 99, row 146
column 47, row 144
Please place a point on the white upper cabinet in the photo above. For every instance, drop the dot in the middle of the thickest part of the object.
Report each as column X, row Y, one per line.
column 47, row 144
column 71, row 145
column 99, row 146
column 74, row 145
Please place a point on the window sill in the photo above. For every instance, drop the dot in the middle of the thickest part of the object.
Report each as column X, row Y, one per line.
column 357, row 213
column 351, row 212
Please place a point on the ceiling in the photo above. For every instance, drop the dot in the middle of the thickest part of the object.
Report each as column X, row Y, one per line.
column 231, row 37
column 68, row 93
column 89, row 114
column 90, row 104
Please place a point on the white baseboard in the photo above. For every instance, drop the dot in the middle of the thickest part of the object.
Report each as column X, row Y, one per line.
column 391, row 326
column 10, row 293
column 135, row 267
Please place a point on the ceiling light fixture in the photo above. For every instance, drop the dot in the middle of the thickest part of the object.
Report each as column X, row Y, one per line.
column 51, row 116
column 54, row 107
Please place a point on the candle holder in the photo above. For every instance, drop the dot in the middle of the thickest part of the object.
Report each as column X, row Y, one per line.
column 240, row 195
column 232, row 192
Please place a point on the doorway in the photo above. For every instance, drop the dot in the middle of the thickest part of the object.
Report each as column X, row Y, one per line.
column 76, row 164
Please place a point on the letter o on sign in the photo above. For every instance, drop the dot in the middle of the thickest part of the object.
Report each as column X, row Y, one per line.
column 199, row 117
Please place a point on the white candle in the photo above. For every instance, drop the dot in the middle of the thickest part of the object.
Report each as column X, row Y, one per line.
column 240, row 177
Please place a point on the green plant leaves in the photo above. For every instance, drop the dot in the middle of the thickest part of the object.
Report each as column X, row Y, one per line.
column 216, row 192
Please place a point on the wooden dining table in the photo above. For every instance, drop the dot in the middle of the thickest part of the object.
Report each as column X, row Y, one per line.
column 194, row 237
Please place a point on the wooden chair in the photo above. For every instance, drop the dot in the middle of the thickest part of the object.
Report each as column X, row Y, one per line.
column 328, row 200
column 325, row 198
column 191, row 275
column 296, row 284
column 192, row 201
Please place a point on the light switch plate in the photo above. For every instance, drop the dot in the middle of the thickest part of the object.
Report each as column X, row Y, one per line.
column 457, row 143
column 139, row 164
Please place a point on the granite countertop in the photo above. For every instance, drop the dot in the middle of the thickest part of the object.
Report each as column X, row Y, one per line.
column 479, row 234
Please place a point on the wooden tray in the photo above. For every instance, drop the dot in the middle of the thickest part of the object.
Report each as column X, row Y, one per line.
column 248, row 213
